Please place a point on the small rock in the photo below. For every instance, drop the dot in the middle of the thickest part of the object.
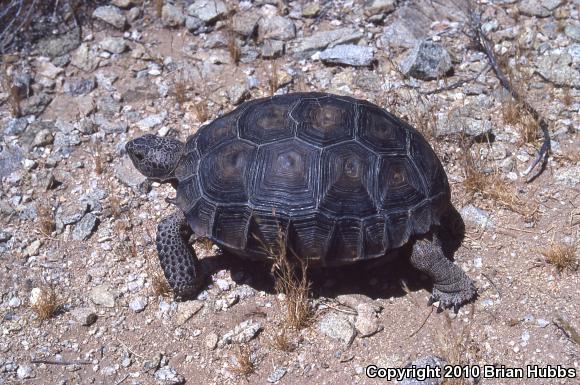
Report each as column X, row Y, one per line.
column 242, row 333
column 558, row 68
column 211, row 340
column 223, row 284
column 24, row 372
column 338, row 327
column 101, row 295
column 79, row 86
column 5, row 236
column 194, row 25
column 367, row 321
column 58, row 46
column 572, row 31
column 276, row 27
column 16, row 126
column 208, row 10
column 122, row 3
column 475, row 215
column 539, row 8
column 33, row 248
column 86, row 316
column 168, row 376
column 245, row 23
column 569, row 176
column 129, row 176
column 84, row 228
column 110, row 15
column 311, row 10
column 114, row 44
column 276, row 375
column 133, row 14
column 349, row 54
column 152, row 121
column 110, row 127
column 542, row 322
column 70, row 212
column 428, row 61
column 85, row 58
column 49, row 70
column 374, row 7
column 272, row 49
column 138, row 304
column 171, row 16
column 42, row 138
column 14, row 302
column 238, row 92
column 186, row 310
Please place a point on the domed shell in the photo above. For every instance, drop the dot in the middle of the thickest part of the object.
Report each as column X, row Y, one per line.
column 333, row 178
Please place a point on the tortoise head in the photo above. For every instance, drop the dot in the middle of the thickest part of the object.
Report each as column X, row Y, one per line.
column 154, row 156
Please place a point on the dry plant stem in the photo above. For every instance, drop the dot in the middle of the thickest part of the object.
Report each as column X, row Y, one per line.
column 484, row 45
column 244, row 365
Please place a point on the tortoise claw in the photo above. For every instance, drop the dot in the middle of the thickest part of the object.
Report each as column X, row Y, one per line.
column 456, row 308
column 431, row 301
column 440, row 307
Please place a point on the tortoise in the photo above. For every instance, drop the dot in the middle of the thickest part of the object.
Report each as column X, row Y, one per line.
column 341, row 179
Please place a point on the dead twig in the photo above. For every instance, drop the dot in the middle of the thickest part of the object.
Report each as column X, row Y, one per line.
column 483, row 43
column 65, row 363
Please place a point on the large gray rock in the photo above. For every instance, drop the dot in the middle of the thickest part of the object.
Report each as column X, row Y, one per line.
column 102, row 296
column 129, row 176
column 85, row 58
column 59, row 45
column 276, row 27
column 110, row 15
column 76, row 86
column 171, row 16
column 85, row 227
column 558, row 68
column 114, row 44
column 349, row 54
column 320, row 40
column 539, row 8
column 169, row 376
column 208, row 10
column 337, row 327
column 428, row 60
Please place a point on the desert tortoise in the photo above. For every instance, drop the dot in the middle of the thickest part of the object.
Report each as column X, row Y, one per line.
column 342, row 179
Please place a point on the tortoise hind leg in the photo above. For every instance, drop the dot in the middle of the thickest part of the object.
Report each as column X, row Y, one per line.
column 177, row 258
column 451, row 286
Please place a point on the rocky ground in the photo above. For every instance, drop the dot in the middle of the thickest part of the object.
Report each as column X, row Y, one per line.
column 77, row 221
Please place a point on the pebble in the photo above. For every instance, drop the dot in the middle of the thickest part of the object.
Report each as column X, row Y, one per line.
column 129, row 176
column 172, row 16
column 110, row 15
column 85, row 227
column 138, row 304
column 14, row 302
column 542, row 322
column 306, row 46
column 33, row 248
column 276, row 375
column 428, row 60
column 475, row 215
column 367, row 321
column 383, row 7
column 337, row 327
column 76, row 86
column 86, row 316
column 168, row 376
column 101, row 295
column 24, row 372
column 16, row 126
column 245, row 23
column 116, row 45
column 152, row 121
column 211, row 340
column 424, row 362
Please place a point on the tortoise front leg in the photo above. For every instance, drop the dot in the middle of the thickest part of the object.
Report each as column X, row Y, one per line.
column 451, row 286
column 177, row 258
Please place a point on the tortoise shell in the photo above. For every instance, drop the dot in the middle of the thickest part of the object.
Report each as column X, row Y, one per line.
column 336, row 178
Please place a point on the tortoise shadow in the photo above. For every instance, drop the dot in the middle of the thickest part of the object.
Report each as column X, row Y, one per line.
column 377, row 278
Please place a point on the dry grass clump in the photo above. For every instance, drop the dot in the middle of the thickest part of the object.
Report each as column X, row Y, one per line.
column 273, row 83
column 201, row 111
column 233, row 46
column 44, row 302
column 46, row 224
column 244, row 366
column 459, row 347
column 159, row 7
column 516, row 114
column 12, row 91
column 562, row 256
column 159, row 285
column 282, row 341
column 493, row 186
